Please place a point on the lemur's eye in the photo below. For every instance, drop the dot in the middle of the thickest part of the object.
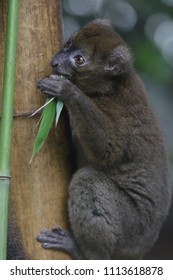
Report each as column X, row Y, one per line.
column 68, row 44
column 79, row 59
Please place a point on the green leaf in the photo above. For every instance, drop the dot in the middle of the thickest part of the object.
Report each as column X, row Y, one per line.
column 42, row 107
column 48, row 116
column 59, row 107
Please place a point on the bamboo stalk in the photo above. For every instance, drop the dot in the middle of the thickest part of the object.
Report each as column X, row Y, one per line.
column 7, row 120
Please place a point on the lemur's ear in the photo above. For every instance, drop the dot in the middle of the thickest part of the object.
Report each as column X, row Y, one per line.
column 119, row 60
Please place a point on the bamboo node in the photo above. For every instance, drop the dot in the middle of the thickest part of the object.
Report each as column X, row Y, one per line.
column 5, row 177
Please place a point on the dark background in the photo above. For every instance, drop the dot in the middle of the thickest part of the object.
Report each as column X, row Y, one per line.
column 147, row 28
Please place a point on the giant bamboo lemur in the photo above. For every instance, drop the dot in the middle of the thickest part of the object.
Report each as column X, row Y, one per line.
column 119, row 195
